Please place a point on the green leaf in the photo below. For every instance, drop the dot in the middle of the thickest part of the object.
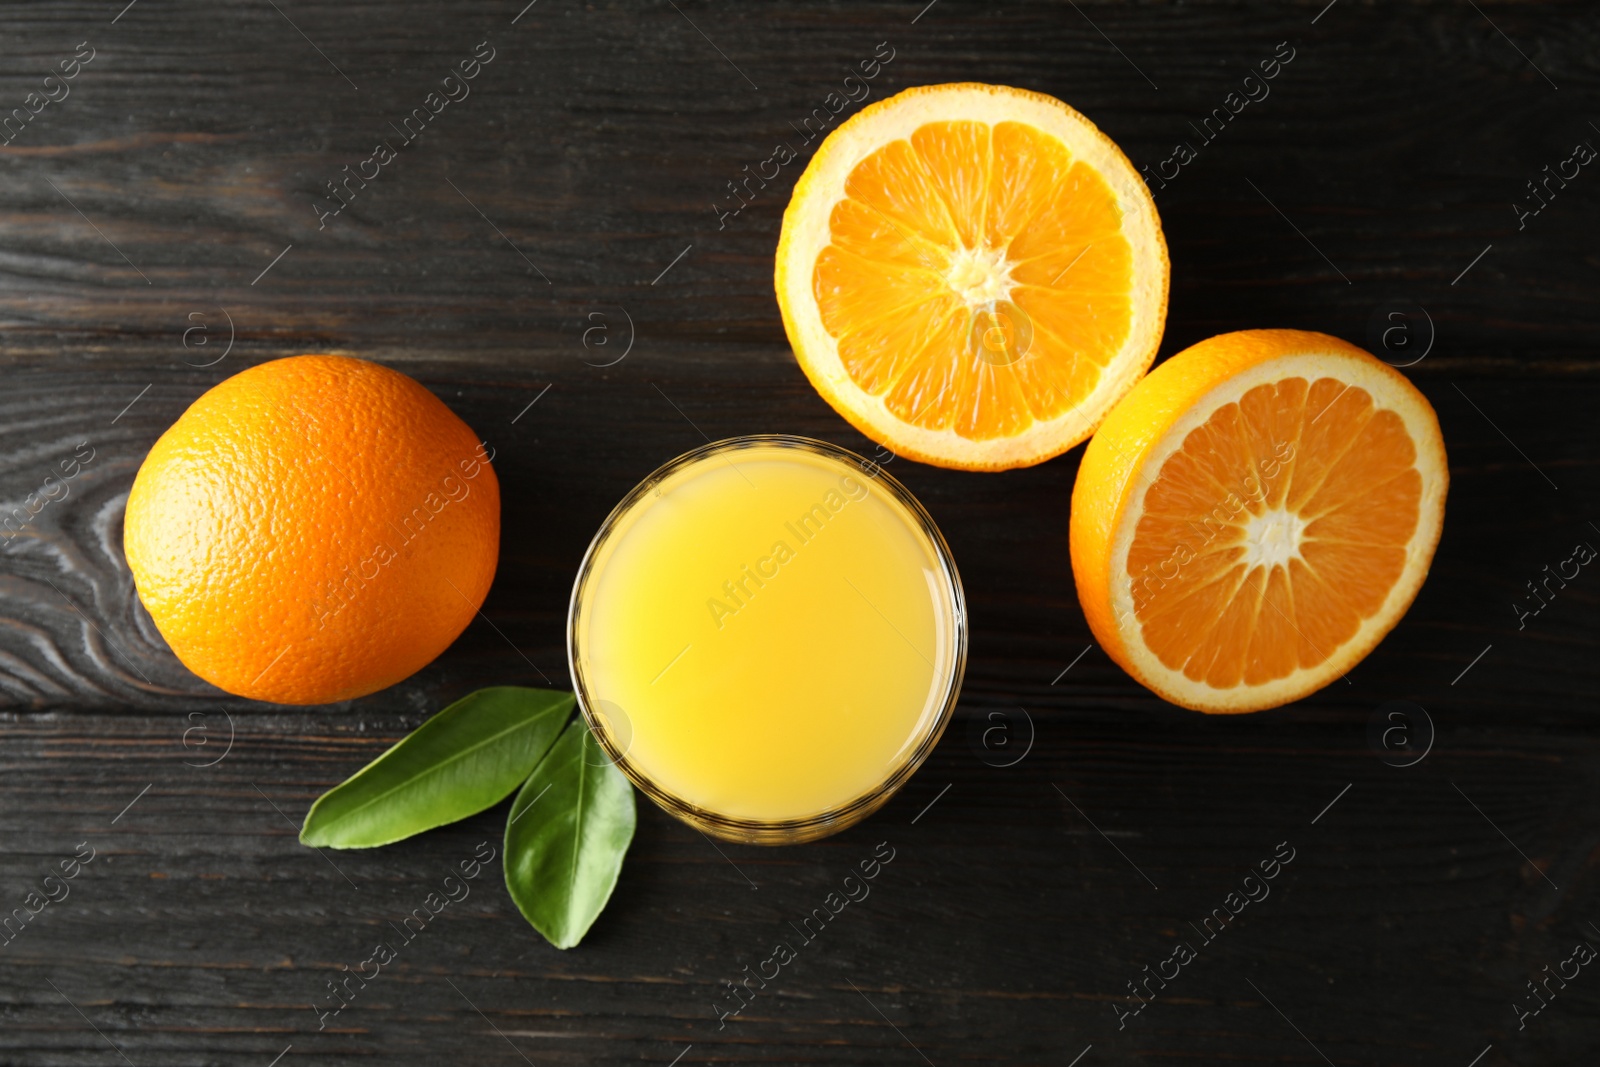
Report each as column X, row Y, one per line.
column 467, row 758
column 563, row 858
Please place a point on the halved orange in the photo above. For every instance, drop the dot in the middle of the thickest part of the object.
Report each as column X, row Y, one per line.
column 972, row 275
column 1255, row 516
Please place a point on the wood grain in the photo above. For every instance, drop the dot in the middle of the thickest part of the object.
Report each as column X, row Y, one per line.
column 1020, row 904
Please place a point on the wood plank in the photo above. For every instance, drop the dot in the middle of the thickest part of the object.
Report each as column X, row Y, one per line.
column 75, row 635
column 1002, row 931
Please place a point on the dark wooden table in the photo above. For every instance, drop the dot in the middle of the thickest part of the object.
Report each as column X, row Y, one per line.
column 554, row 237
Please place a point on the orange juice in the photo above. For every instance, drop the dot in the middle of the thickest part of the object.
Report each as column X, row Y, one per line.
column 768, row 636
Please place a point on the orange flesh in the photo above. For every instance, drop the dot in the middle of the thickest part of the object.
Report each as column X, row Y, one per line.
column 977, row 278
column 1285, row 454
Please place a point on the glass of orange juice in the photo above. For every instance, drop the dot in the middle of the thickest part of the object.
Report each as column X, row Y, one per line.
column 768, row 637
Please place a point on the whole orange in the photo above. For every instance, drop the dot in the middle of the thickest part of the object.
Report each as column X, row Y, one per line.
column 313, row 529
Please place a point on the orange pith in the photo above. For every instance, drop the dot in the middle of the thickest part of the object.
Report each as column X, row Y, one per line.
column 949, row 250
column 1318, row 499
column 313, row 529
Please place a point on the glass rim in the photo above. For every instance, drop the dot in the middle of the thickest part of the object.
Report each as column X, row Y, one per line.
column 776, row 831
